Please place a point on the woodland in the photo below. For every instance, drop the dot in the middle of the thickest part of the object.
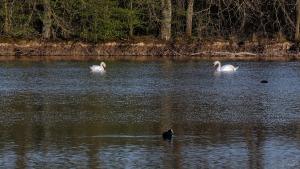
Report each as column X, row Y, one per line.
column 105, row 20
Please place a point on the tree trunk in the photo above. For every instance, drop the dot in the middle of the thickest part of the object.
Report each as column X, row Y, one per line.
column 7, row 20
column 297, row 37
column 131, row 20
column 243, row 22
column 47, row 20
column 165, row 31
column 189, row 18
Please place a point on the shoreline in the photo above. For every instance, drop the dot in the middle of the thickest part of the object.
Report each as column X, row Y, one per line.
column 148, row 51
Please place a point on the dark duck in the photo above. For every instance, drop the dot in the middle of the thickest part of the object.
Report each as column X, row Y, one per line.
column 264, row 81
column 167, row 135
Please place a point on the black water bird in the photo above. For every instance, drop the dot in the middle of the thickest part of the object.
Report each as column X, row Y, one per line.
column 167, row 135
column 295, row 48
column 264, row 81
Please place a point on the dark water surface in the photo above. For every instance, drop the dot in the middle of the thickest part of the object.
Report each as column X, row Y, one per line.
column 59, row 115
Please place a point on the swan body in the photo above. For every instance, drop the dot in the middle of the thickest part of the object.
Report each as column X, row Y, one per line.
column 225, row 68
column 98, row 68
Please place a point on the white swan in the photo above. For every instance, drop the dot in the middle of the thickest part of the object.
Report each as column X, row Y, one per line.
column 98, row 68
column 225, row 68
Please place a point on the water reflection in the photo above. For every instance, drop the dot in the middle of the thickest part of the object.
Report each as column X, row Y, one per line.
column 58, row 115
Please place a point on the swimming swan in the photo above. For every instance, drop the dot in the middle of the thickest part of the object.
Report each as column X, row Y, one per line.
column 225, row 68
column 98, row 68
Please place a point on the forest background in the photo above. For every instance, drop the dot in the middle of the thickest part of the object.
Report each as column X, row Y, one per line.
column 102, row 20
column 228, row 29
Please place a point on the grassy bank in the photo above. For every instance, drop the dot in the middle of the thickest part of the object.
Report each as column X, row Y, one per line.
column 145, row 50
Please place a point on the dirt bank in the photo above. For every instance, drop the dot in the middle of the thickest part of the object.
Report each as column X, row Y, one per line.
column 144, row 51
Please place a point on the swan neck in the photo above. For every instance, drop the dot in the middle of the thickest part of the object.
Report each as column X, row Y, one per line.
column 219, row 66
column 102, row 65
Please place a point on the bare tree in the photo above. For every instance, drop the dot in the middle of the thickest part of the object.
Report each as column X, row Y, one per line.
column 297, row 37
column 165, row 31
column 47, row 22
column 189, row 18
column 7, row 19
column 131, row 20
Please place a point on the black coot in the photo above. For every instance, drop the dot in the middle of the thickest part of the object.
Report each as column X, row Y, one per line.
column 168, row 134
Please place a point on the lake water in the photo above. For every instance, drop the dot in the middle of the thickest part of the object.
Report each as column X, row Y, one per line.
column 59, row 115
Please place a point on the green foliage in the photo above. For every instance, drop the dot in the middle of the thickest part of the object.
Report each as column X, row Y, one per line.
column 99, row 20
column 88, row 20
column 19, row 15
